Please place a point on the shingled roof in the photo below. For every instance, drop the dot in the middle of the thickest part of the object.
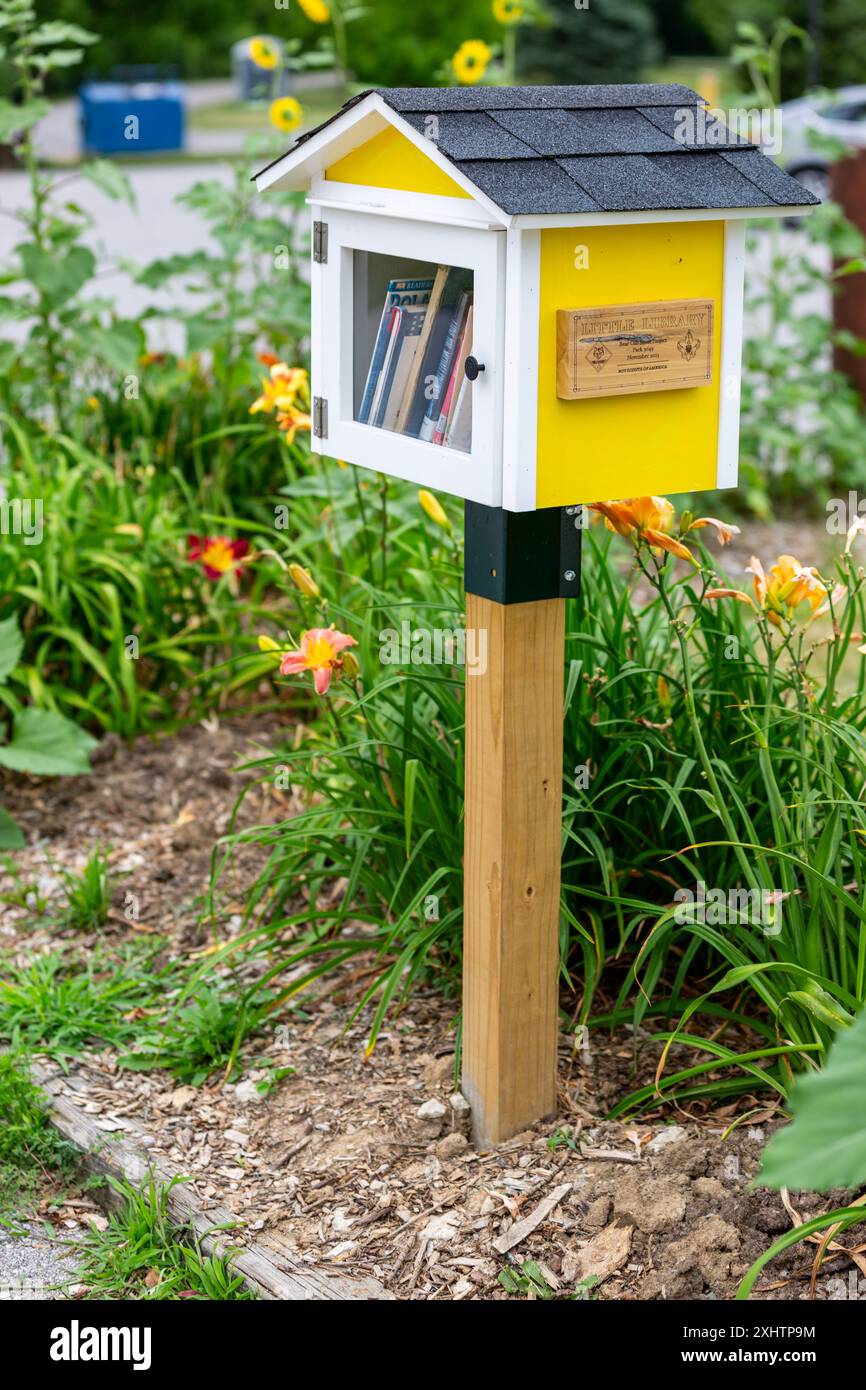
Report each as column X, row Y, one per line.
column 539, row 150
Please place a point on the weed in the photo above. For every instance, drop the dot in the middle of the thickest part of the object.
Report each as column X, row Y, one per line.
column 142, row 1255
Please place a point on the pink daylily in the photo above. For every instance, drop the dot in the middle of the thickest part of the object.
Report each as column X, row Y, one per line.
column 319, row 652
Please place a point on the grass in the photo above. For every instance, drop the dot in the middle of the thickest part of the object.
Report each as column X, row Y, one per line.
column 142, row 1255
column 61, row 1007
column 87, row 894
column 31, row 1150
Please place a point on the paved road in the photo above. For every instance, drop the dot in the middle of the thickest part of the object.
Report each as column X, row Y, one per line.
column 157, row 226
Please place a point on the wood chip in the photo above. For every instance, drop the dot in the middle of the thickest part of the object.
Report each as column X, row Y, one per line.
column 521, row 1229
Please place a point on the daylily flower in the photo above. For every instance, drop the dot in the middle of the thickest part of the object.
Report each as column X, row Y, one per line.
column 857, row 528
column 217, row 554
column 290, row 420
column 779, row 591
column 319, row 652
column 280, row 389
column 725, row 530
column 644, row 518
column 303, row 580
column 434, row 509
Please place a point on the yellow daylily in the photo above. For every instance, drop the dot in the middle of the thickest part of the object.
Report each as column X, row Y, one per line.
column 434, row 509
column 280, row 389
column 303, row 580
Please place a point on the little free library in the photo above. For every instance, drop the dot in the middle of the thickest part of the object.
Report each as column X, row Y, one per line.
column 530, row 298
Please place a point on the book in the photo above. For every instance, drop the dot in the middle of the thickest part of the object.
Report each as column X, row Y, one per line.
column 405, row 408
column 450, row 283
column 444, row 368
column 391, row 335
column 464, row 347
column 399, row 293
column 459, row 434
column 411, row 325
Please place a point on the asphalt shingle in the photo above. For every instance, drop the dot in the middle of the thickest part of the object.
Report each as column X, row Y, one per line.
column 625, row 183
column 709, row 181
column 528, row 185
column 769, row 178
column 558, row 131
column 692, row 126
column 544, row 150
column 469, row 135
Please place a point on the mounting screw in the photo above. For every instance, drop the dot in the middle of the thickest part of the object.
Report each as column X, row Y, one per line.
column 569, row 576
column 472, row 367
column 570, row 511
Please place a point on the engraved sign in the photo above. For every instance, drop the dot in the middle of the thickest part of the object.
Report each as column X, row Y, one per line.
column 624, row 348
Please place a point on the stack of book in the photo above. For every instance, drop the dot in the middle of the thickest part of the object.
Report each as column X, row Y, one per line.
column 416, row 383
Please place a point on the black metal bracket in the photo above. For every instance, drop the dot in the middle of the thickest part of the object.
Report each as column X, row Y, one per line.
column 520, row 557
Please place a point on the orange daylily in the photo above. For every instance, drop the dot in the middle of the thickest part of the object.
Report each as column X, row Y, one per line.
column 290, row 420
column 280, row 389
column 644, row 518
column 781, row 590
column 319, row 652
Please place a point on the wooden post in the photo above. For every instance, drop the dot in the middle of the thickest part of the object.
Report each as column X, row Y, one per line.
column 513, row 826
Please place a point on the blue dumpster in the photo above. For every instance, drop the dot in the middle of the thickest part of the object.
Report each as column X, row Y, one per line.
column 131, row 117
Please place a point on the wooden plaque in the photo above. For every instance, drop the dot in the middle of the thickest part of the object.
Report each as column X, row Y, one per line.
column 625, row 348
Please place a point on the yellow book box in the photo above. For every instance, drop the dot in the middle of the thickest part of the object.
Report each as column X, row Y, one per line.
column 531, row 297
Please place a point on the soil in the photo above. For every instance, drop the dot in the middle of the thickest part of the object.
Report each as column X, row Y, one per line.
column 364, row 1164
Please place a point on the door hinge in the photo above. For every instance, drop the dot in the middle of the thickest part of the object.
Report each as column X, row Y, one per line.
column 320, row 417
column 320, row 243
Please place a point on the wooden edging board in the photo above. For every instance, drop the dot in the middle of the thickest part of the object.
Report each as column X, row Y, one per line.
column 273, row 1271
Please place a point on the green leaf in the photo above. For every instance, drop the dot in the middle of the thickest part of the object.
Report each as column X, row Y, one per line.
column 825, row 1144
column 110, row 178
column 15, row 119
column 58, row 31
column 57, row 277
column 10, row 832
column 11, row 647
column 47, row 744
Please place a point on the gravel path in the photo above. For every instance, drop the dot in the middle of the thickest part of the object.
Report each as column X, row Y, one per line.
column 33, row 1263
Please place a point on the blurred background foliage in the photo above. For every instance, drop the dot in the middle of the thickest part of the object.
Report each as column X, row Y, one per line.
column 391, row 47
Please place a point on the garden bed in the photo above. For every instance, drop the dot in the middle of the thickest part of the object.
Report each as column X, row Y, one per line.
column 345, row 1166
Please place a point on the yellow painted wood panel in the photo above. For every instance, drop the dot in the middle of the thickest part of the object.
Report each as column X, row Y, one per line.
column 636, row 445
column 513, row 830
column 389, row 160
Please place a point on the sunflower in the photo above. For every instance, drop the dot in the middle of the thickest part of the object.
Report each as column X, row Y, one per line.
column 286, row 113
column 264, row 53
column 316, row 10
column 508, row 11
column 470, row 61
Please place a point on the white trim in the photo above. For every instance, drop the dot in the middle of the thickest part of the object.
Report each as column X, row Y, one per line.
column 520, row 434
column 317, row 344
column 614, row 219
column 393, row 202
column 476, row 475
column 730, row 355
